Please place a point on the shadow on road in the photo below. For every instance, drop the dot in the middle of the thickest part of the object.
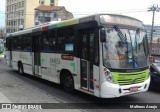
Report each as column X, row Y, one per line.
column 155, row 87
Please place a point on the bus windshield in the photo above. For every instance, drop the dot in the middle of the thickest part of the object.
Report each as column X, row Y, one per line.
column 125, row 48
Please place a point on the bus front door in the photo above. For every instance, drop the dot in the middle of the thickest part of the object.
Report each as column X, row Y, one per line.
column 86, row 54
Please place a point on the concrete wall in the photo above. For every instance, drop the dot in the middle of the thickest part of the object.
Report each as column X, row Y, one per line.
column 64, row 14
column 30, row 5
column 47, row 2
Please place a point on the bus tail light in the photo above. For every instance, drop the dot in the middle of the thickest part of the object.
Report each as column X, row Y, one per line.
column 108, row 76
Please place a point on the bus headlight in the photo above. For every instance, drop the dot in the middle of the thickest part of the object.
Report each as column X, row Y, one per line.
column 108, row 76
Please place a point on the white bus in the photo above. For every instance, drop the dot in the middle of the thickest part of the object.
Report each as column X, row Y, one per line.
column 82, row 54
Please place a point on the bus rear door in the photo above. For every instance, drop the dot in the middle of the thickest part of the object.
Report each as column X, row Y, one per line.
column 36, row 55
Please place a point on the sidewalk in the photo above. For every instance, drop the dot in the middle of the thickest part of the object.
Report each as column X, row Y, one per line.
column 6, row 103
column 3, row 101
column 15, row 90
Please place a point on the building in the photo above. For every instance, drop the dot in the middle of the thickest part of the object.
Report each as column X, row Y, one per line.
column 155, row 50
column 45, row 14
column 20, row 13
column 48, row 2
column 2, row 33
column 156, row 31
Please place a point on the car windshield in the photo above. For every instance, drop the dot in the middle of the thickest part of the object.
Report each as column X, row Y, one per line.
column 125, row 48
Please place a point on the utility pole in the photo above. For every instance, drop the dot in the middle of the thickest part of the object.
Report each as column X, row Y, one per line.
column 1, row 33
column 154, row 9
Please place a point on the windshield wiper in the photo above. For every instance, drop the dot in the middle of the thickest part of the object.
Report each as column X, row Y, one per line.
column 137, row 33
column 122, row 37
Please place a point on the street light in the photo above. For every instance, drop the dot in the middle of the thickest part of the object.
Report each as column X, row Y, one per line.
column 154, row 9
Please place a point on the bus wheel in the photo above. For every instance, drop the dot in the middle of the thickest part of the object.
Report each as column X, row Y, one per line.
column 68, row 83
column 20, row 69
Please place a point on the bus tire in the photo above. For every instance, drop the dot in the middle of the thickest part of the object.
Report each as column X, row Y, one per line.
column 20, row 69
column 68, row 83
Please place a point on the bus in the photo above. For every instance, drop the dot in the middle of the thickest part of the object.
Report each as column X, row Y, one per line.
column 2, row 47
column 82, row 54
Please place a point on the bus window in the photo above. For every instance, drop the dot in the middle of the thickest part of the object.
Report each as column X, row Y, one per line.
column 49, row 41
column 52, row 40
column 66, row 39
column 17, row 43
column 26, row 40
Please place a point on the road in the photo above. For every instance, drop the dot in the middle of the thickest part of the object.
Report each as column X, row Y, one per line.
column 15, row 88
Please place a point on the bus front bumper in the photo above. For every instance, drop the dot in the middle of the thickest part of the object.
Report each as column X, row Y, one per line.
column 109, row 90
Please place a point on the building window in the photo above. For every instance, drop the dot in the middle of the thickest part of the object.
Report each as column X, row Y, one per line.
column 15, row 7
column 22, row 21
column 41, row 18
column 12, row 7
column 36, row 23
column 37, row 13
column 22, row 4
column 14, row 23
column 47, row 14
column 52, row 2
column 55, row 15
column 41, row 2
column 19, row 5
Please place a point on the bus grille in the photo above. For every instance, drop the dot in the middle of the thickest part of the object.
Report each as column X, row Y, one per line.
column 127, row 79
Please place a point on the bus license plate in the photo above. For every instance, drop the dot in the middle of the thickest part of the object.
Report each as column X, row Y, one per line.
column 133, row 89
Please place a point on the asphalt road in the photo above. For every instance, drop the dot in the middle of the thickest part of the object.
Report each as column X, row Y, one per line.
column 28, row 89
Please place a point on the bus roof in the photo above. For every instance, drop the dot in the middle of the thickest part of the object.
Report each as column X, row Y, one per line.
column 103, row 18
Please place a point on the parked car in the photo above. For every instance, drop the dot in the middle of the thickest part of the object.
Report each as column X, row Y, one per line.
column 155, row 72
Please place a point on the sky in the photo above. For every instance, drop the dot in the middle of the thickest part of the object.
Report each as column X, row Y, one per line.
column 2, row 13
column 132, row 8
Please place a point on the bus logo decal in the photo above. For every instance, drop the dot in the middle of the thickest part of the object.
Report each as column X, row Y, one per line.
column 55, row 61
column 73, row 66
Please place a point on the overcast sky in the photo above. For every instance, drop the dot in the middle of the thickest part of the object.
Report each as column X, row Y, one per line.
column 2, row 12
column 133, row 8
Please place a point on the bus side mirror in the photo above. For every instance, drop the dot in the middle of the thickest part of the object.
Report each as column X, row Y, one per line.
column 103, row 35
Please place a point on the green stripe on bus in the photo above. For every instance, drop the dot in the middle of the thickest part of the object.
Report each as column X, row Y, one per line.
column 67, row 23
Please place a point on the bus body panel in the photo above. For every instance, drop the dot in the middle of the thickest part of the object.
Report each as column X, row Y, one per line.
column 71, row 65
column 8, row 58
column 96, row 79
column 48, row 67
column 114, row 89
column 25, row 58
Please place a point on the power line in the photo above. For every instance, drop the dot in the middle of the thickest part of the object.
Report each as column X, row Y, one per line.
column 86, row 13
column 130, row 10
